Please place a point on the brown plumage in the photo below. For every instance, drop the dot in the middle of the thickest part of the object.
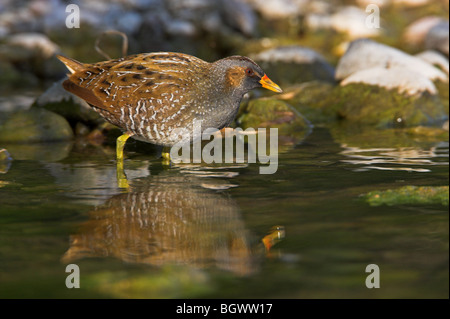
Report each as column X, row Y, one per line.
column 156, row 97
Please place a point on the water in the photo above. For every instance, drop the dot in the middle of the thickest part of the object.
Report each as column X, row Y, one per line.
column 196, row 231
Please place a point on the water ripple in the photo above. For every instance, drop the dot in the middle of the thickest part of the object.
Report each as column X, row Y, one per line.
column 396, row 159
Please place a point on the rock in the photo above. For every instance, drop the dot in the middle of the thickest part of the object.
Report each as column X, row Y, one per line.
column 436, row 59
column 70, row 106
column 294, row 64
column 410, row 195
column 129, row 22
column 308, row 97
column 404, row 143
column 410, row 3
column 438, row 38
column 366, row 54
column 373, row 105
column 239, row 15
column 181, row 28
column 279, row 9
column 364, row 104
column 378, row 3
column 273, row 113
column 32, row 53
column 425, row 132
column 352, row 21
column 11, row 77
column 416, row 32
column 443, row 90
column 400, row 78
column 16, row 102
column 49, row 152
column 348, row 20
column 31, row 45
column 35, row 125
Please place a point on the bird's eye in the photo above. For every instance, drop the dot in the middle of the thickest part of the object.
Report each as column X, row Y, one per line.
column 249, row 72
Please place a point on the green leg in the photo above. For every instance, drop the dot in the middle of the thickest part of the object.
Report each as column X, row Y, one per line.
column 122, row 181
column 120, row 144
column 166, row 155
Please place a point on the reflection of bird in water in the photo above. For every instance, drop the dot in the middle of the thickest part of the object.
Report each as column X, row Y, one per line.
column 167, row 219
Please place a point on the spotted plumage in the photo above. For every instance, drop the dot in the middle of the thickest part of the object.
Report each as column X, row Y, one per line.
column 156, row 97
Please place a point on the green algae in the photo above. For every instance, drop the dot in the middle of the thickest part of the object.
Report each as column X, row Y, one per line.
column 409, row 195
column 35, row 125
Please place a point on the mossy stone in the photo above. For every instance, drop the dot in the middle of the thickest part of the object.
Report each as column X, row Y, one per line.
column 443, row 89
column 365, row 137
column 273, row 113
column 382, row 108
column 35, row 125
column 307, row 98
column 70, row 106
column 410, row 195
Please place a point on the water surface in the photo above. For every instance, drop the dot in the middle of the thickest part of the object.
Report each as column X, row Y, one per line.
column 195, row 231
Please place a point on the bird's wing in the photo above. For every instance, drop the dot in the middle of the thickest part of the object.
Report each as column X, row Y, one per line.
column 161, row 83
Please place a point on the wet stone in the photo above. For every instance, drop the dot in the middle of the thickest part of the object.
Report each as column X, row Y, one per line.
column 367, row 54
column 409, row 195
column 35, row 125
column 70, row 106
column 273, row 113
column 376, row 106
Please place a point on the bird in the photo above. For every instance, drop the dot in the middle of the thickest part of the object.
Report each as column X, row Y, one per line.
column 157, row 97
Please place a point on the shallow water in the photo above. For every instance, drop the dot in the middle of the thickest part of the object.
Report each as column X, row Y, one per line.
column 195, row 231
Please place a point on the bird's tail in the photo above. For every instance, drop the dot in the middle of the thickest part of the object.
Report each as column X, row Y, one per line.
column 71, row 64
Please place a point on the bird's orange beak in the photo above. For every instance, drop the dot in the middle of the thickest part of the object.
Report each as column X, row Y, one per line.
column 269, row 84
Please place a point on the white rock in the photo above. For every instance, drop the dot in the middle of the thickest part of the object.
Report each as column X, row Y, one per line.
column 319, row 7
column 410, row 3
column 445, row 125
column 181, row 28
column 296, row 54
column 349, row 20
column 435, row 58
column 438, row 38
column 365, row 54
column 400, row 78
column 34, row 42
column 352, row 21
column 379, row 3
column 279, row 9
column 416, row 32
column 318, row 21
column 57, row 94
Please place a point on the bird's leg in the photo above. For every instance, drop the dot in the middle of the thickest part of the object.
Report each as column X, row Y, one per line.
column 120, row 144
column 166, row 155
column 122, row 181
